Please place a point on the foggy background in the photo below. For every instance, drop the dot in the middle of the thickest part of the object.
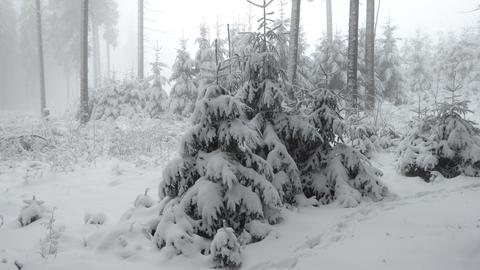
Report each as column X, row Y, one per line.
column 167, row 21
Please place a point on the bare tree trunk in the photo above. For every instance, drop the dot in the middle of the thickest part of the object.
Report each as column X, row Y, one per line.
column 96, row 55
column 43, row 102
column 370, row 55
column 140, row 40
column 352, row 87
column 84, row 113
column 329, row 21
column 293, row 54
column 108, row 58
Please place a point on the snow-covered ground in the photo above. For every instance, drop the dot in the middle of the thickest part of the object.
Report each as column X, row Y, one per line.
column 420, row 226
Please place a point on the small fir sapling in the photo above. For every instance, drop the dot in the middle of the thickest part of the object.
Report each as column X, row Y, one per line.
column 144, row 200
column 205, row 60
column 31, row 212
column 329, row 63
column 183, row 94
column 225, row 248
column 49, row 244
column 331, row 170
column 156, row 99
column 447, row 143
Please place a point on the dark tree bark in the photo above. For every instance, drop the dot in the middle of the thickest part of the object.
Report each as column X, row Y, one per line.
column 84, row 112
column 370, row 55
column 140, row 40
column 43, row 103
column 352, row 86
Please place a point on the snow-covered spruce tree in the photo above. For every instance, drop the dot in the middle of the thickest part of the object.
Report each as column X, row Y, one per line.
column 388, row 65
column 155, row 97
column 418, row 62
column 305, row 64
column 330, row 170
column 205, row 62
column 330, row 64
column 283, row 26
column 302, row 145
column 218, row 177
column 105, row 101
column 456, row 55
column 183, row 94
column 447, row 142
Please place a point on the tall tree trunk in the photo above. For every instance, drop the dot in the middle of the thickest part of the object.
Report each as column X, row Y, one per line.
column 329, row 21
column 140, row 40
column 41, row 69
column 84, row 112
column 370, row 55
column 67, row 81
column 293, row 50
column 108, row 58
column 96, row 54
column 352, row 87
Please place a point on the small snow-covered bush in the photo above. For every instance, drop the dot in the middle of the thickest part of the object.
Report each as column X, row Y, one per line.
column 143, row 200
column 225, row 249
column 95, row 219
column 368, row 137
column 447, row 143
column 31, row 212
column 119, row 98
column 131, row 98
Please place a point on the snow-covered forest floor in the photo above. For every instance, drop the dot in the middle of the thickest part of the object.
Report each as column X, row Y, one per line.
column 98, row 172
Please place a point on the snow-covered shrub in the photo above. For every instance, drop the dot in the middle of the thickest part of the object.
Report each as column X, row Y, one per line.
column 95, row 219
column 175, row 231
column 225, row 249
column 31, row 212
column 183, row 94
column 143, row 200
column 119, row 98
column 367, row 137
column 447, row 143
column 362, row 137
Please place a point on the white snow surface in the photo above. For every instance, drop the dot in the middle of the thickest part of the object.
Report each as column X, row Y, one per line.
column 420, row 226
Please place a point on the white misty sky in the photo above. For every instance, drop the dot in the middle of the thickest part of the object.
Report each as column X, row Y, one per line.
column 174, row 18
column 182, row 17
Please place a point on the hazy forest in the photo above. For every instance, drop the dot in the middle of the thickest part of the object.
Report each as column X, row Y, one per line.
column 239, row 134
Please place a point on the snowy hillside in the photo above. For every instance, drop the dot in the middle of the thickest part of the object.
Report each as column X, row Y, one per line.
column 419, row 226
